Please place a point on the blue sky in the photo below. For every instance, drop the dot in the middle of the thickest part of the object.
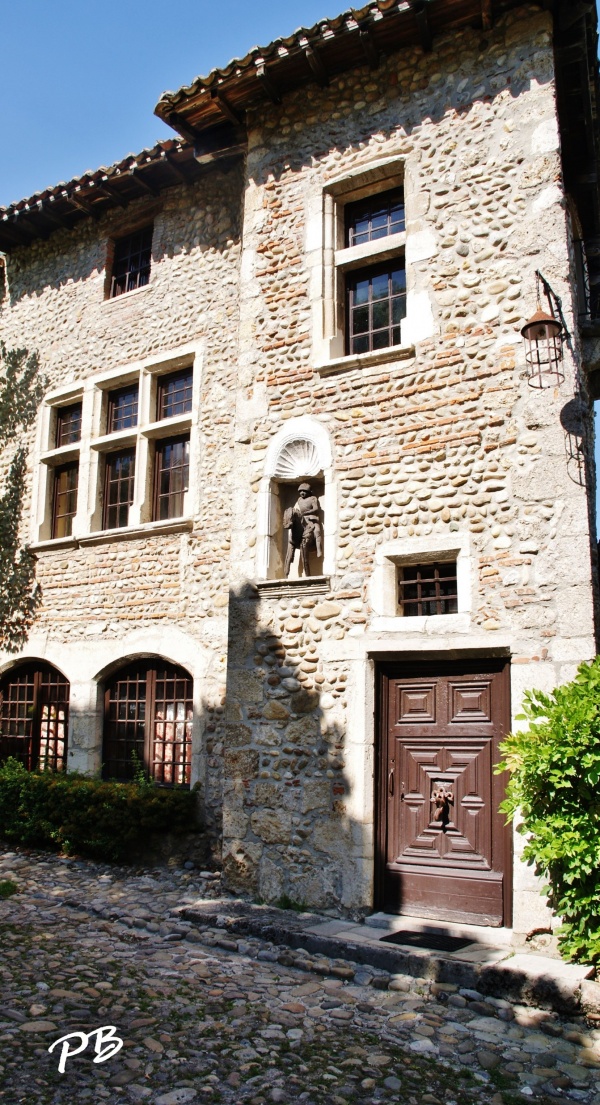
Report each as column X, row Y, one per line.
column 79, row 81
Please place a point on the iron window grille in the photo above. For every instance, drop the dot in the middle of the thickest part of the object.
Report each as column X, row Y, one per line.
column 68, row 425
column 426, row 589
column 175, row 394
column 131, row 262
column 118, row 489
column 122, row 408
column 375, row 217
column 171, row 477
column 376, row 307
column 34, row 717
column 64, row 499
column 148, row 722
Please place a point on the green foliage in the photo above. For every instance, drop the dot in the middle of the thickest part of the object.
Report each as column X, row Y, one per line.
column 554, row 788
column 285, row 902
column 7, row 888
column 76, row 814
column 21, row 391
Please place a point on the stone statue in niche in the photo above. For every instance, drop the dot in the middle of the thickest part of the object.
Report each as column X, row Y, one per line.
column 304, row 529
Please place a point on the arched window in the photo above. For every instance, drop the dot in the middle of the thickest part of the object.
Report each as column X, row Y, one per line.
column 34, row 716
column 148, row 714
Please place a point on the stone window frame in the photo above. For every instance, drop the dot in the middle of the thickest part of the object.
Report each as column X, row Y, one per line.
column 329, row 259
column 314, row 436
column 96, row 443
column 418, row 550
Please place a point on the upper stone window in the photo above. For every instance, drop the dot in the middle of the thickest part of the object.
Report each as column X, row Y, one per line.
column 361, row 305
column 68, row 425
column 131, row 262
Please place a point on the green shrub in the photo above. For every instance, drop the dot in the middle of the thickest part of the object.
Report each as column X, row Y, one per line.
column 76, row 814
column 7, row 888
column 554, row 787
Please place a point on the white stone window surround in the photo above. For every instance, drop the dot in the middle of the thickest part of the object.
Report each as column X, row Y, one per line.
column 329, row 259
column 301, row 449
column 417, row 550
column 93, row 394
column 89, row 663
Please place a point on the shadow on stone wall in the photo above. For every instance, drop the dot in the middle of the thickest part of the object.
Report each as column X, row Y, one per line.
column 287, row 830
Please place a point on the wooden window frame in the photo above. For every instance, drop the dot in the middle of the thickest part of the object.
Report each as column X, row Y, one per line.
column 40, row 732
column 147, row 731
column 161, row 445
column 56, row 496
column 370, row 207
column 134, row 260
column 184, row 374
column 116, row 422
column 119, row 482
column 68, row 425
column 369, row 272
column 428, row 573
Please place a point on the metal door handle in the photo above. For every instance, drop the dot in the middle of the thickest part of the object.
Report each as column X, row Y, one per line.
column 391, row 783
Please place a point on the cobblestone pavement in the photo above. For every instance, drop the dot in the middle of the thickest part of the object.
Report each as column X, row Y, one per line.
column 86, row 945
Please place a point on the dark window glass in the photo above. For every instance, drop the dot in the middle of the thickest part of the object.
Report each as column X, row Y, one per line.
column 148, row 721
column 426, row 589
column 171, row 477
column 131, row 262
column 34, row 714
column 376, row 307
column 64, row 505
column 175, row 394
column 68, row 425
column 123, row 408
column 118, row 489
column 374, row 217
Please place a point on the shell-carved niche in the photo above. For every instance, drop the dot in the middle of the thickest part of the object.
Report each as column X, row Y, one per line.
column 297, row 458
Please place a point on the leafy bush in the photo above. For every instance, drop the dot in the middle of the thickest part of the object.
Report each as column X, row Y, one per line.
column 76, row 814
column 555, row 788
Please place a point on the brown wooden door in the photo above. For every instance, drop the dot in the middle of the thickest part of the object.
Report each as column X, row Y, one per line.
column 443, row 847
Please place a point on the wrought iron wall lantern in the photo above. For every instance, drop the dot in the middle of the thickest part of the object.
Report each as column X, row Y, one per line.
column 543, row 335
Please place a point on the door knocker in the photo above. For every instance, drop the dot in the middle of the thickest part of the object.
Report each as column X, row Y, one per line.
column 442, row 799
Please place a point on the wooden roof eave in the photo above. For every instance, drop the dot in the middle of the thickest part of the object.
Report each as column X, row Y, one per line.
column 93, row 194
column 320, row 54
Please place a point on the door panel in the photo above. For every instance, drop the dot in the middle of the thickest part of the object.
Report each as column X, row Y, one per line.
column 443, row 847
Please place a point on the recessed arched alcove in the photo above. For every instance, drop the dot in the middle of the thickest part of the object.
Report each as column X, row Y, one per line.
column 299, row 453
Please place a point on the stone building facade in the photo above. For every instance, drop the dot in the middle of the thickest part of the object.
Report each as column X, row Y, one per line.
column 345, row 723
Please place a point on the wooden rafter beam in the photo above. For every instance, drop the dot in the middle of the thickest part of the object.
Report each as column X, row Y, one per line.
column 419, row 9
column 77, row 201
column 207, row 157
column 177, row 169
column 7, row 229
column 20, row 217
column 225, row 107
column 45, row 210
column 183, row 127
column 267, row 84
column 112, row 193
column 487, row 15
column 136, row 173
column 316, row 65
column 369, row 46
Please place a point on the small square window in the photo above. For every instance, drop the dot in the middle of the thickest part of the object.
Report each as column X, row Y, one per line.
column 131, row 262
column 118, row 489
column 175, row 394
column 122, row 409
column 375, row 217
column 64, row 501
column 68, row 425
column 171, row 475
column 426, row 589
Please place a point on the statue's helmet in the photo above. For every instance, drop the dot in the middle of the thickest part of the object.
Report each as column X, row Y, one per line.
column 304, row 487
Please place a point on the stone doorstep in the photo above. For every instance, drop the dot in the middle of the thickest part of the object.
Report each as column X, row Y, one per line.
column 527, row 978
